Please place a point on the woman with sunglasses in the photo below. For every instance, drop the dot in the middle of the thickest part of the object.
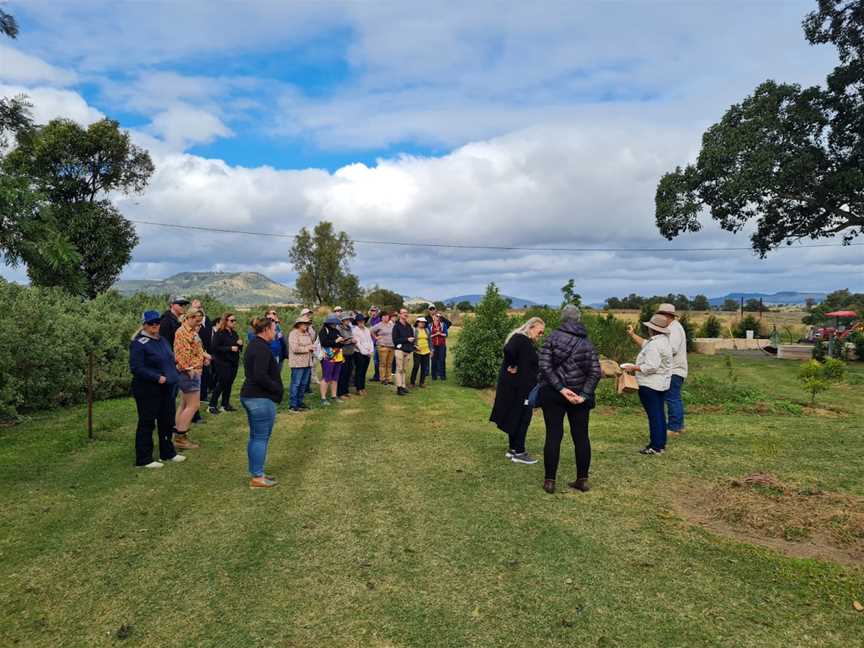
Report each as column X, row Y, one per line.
column 227, row 346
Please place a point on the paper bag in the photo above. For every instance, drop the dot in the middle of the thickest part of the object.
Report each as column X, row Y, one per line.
column 627, row 384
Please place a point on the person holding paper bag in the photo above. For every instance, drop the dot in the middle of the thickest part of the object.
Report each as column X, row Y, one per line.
column 653, row 371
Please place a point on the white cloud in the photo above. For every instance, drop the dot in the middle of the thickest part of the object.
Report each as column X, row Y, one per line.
column 50, row 103
column 18, row 67
column 181, row 126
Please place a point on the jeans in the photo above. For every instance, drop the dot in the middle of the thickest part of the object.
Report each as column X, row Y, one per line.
column 421, row 364
column 361, row 368
column 439, row 362
column 375, row 359
column 345, row 376
column 555, row 406
column 517, row 436
column 300, row 378
column 155, row 404
column 261, row 413
column 652, row 401
column 675, row 404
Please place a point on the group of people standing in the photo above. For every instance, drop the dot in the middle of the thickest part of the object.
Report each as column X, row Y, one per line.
column 562, row 378
column 182, row 352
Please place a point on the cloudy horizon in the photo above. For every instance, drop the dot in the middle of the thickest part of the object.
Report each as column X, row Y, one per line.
column 457, row 124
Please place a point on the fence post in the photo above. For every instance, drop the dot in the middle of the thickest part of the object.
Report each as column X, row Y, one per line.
column 90, row 395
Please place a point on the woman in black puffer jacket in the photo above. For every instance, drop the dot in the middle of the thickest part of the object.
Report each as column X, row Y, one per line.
column 569, row 373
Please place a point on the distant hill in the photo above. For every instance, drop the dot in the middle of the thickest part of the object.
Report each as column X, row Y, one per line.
column 234, row 288
column 787, row 297
column 475, row 299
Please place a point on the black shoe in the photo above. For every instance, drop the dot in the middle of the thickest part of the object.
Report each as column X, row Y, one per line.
column 213, row 410
column 229, row 408
column 580, row 484
column 648, row 450
column 303, row 408
column 401, row 391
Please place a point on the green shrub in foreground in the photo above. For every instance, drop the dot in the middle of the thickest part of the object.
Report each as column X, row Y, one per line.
column 478, row 352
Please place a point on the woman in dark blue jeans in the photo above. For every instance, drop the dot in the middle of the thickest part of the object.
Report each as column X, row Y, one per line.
column 261, row 391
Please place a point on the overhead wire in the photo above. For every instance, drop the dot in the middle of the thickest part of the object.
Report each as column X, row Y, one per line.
column 502, row 248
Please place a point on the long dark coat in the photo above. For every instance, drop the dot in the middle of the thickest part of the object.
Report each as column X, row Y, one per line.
column 512, row 390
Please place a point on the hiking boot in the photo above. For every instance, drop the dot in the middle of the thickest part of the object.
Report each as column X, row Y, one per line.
column 178, row 458
column 580, row 484
column 261, row 482
column 648, row 450
column 152, row 465
column 182, row 441
column 523, row 458
column 549, row 485
column 213, row 410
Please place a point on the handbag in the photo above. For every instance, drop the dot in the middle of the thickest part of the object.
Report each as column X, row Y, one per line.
column 627, row 384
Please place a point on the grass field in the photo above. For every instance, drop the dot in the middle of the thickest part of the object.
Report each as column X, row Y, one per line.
column 397, row 522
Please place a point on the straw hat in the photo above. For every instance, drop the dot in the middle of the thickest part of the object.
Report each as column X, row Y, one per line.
column 657, row 323
column 666, row 309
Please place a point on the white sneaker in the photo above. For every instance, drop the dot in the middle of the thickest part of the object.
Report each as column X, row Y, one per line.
column 151, row 465
column 178, row 458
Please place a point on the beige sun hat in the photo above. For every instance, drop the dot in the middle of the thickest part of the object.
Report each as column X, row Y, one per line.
column 657, row 323
column 666, row 309
column 303, row 319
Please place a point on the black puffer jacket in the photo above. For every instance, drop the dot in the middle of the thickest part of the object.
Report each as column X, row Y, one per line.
column 569, row 359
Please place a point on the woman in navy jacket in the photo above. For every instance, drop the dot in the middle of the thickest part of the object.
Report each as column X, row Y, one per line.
column 154, row 377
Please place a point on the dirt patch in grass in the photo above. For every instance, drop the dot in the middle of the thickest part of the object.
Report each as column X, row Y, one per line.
column 799, row 522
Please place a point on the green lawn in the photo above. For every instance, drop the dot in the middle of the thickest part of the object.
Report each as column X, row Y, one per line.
column 397, row 522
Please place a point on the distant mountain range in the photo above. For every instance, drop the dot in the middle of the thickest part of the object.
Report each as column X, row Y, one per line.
column 234, row 288
column 786, row 297
column 475, row 299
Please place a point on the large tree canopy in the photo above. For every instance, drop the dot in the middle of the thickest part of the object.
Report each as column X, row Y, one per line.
column 789, row 158
column 321, row 260
column 55, row 215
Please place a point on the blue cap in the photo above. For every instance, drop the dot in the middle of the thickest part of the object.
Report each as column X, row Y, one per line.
column 332, row 319
column 151, row 317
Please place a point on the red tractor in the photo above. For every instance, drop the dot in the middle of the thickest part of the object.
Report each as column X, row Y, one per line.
column 845, row 323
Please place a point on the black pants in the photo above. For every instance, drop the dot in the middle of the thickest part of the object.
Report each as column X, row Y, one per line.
column 518, row 434
column 225, row 375
column 555, row 406
column 421, row 364
column 155, row 404
column 439, row 362
column 207, row 378
column 361, row 368
column 344, row 386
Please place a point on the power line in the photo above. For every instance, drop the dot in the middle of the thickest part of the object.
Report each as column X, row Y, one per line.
column 218, row 230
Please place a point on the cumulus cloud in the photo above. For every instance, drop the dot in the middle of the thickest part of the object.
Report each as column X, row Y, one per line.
column 50, row 103
column 19, row 67
column 181, row 126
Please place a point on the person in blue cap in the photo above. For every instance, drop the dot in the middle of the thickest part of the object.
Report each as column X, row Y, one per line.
column 154, row 380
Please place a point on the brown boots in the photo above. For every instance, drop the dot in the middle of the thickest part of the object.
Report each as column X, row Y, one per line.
column 580, row 484
column 181, row 441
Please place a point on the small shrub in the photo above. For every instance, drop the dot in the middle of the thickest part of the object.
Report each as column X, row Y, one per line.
column 711, row 327
column 817, row 377
column 858, row 340
column 748, row 323
column 819, row 351
column 478, row 351
column 689, row 331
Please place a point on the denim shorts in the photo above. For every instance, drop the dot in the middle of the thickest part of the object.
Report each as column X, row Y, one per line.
column 189, row 384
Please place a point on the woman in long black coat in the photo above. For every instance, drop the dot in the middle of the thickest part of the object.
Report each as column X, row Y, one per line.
column 518, row 376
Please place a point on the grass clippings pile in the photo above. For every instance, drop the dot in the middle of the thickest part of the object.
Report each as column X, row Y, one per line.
column 801, row 522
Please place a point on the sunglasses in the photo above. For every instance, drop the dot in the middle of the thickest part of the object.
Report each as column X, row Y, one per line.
column 231, row 319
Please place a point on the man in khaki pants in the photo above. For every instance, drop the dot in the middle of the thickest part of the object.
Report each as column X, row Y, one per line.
column 382, row 332
column 403, row 341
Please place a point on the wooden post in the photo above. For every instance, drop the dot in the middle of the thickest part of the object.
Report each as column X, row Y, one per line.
column 90, row 395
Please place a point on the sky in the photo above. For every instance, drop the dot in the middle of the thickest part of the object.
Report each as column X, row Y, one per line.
column 507, row 124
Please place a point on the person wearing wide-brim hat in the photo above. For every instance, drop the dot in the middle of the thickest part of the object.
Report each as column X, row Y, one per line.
column 154, row 380
column 422, row 351
column 653, row 371
column 349, row 349
column 331, row 341
column 300, row 360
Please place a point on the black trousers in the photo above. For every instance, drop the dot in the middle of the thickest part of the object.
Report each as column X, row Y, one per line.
column 225, row 374
column 555, row 406
column 518, row 434
column 361, row 368
column 207, row 379
column 155, row 404
column 344, row 385
column 421, row 364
